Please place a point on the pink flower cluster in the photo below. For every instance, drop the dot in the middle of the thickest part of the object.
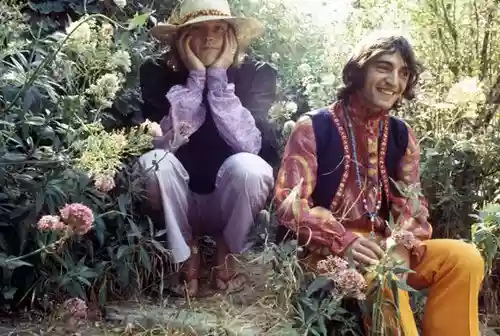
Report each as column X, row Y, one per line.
column 75, row 218
column 348, row 281
column 78, row 217
column 405, row 238
column 76, row 307
column 104, row 183
column 51, row 223
column 331, row 265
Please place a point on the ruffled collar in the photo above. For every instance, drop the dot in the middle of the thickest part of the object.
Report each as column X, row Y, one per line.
column 361, row 113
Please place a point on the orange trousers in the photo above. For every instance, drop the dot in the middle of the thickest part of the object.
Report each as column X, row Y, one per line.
column 453, row 272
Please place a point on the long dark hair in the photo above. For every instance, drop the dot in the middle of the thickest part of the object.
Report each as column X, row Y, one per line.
column 368, row 50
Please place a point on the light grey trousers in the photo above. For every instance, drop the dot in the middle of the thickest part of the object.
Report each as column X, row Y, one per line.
column 242, row 187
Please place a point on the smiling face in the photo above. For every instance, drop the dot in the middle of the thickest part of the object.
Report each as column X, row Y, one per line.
column 207, row 40
column 385, row 81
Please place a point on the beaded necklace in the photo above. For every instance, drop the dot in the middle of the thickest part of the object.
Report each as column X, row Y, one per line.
column 371, row 215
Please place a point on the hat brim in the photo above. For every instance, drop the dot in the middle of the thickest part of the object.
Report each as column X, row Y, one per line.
column 246, row 29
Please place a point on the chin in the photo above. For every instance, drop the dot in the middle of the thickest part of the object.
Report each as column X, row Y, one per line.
column 385, row 106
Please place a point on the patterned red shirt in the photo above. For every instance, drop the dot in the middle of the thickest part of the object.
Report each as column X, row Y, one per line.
column 334, row 229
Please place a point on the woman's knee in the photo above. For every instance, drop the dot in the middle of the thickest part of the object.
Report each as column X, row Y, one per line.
column 158, row 160
column 249, row 171
column 160, row 164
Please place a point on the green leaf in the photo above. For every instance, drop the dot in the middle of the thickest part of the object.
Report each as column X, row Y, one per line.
column 122, row 250
column 401, row 269
column 391, row 221
column 13, row 264
column 160, row 233
column 139, row 20
column 318, row 283
column 100, row 230
column 9, row 293
column 159, row 246
column 145, row 259
column 404, row 286
column 103, row 291
column 84, row 281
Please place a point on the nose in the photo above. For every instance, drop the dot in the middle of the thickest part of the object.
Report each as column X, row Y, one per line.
column 392, row 79
column 208, row 37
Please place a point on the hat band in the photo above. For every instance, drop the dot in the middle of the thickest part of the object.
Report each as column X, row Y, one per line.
column 202, row 12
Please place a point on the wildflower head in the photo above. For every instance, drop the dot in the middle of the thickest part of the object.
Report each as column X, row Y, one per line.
column 78, row 217
column 331, row 265
column 104, row 182
column 350, row 283
column 76, row 307
column 405, row 238
column 51, row 223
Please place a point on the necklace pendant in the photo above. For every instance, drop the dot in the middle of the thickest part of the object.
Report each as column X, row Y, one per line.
column 372, row 216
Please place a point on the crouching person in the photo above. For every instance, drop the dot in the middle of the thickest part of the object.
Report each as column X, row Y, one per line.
column 215, row 146
column 335, row 189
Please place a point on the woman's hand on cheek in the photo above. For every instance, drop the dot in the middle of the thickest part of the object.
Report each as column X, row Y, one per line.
column 186, row 54
column 226, row 57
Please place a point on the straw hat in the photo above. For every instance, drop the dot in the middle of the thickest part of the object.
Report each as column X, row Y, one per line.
column 194, row 11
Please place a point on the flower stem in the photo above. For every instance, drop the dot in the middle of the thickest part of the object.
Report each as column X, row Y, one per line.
column 32, row 252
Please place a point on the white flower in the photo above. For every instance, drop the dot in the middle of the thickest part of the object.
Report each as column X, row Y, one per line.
column 104, row 182
column 304, row 69
column 106, row 32
column 79, row 32
column 121, row 59
column 120, row 3
column 105, row 88
column 291, row 107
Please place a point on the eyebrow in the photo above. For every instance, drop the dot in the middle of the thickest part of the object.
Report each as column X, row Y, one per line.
column 390, row 64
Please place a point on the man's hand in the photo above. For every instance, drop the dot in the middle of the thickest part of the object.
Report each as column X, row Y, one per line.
column 226, row 57
column 365, row 251
column 186, row 54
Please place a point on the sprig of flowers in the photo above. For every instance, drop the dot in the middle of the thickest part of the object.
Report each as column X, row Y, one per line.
column 75, row 218
column 348, row 281
column 100, row 153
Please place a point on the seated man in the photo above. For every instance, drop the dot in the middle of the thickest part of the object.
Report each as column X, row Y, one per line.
column 216, row 145
column 343, row 160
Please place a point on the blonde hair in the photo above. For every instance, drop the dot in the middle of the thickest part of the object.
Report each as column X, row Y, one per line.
column 174, row 61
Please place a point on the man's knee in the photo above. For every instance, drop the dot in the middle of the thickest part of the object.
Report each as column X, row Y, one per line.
column 464, row 257
column 469, row 258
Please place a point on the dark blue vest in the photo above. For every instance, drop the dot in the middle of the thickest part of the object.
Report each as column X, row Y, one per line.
column 330, row 154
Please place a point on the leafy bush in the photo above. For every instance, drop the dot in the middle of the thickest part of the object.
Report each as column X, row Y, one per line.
column 56, row 92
